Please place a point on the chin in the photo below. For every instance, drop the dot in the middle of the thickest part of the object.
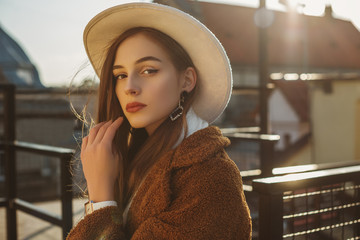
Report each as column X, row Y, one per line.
column 137, row 124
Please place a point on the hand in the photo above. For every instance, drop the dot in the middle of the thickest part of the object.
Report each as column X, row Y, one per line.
column 100, row 161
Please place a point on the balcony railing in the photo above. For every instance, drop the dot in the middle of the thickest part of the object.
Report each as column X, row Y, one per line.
column 323, row 204
column 267, row 148
column 10, row 146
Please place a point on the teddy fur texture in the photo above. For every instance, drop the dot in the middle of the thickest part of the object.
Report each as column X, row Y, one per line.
column 193, row 192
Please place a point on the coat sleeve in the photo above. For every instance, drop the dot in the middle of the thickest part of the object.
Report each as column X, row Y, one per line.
column 207, row 203
column 105, row 223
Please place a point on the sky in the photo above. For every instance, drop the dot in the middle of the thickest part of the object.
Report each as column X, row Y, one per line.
column 50, row 32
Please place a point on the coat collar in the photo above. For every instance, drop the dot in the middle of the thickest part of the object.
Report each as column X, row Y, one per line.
column 199, row 146
column 194, row 123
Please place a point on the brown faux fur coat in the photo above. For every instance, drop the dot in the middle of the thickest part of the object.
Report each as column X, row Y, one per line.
column 193, row 192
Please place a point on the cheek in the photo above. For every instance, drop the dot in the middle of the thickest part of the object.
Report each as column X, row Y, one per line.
column 119, row 94
column 166, row 95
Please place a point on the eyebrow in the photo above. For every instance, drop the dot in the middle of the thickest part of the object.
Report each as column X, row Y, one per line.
column 144, row 59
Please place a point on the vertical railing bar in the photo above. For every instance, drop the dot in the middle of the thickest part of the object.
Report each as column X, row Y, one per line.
column 332, row 211
column 10, row 159
column 343, row 212
column 357, row 210
column 318, row 207
column 293, row 211
column 307, row 210
column 66, row 195
column 354, row 212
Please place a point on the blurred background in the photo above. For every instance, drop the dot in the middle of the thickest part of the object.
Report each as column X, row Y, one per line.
column 295, row 103
column 51, row 32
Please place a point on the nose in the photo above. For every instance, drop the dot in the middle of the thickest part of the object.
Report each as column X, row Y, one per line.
column 132, row 85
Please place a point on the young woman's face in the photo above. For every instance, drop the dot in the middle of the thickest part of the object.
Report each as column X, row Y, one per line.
column 148, row 85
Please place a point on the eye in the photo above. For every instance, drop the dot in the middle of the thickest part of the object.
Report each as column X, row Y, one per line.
column 150, row 71
column 120, row 76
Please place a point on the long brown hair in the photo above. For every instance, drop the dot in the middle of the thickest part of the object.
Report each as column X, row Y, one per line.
column 138, row 150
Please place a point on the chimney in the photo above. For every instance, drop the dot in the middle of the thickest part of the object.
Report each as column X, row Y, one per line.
column 328, row 11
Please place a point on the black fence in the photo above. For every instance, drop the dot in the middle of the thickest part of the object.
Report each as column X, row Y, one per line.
column 322, row 204
column 10, row 146
column 267, row 148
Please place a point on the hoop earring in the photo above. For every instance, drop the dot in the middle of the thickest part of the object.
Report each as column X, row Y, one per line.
column 179, row 110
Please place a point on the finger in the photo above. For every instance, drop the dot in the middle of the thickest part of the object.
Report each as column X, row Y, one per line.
column 83, row 147
column 93, row 132
column 111, row 130
column 100, row 134
column 84, row 143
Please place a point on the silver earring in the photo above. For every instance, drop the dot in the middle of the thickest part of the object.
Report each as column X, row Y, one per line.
column 179, row 110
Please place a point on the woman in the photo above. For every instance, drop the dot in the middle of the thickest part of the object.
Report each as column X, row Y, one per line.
column 154, row 167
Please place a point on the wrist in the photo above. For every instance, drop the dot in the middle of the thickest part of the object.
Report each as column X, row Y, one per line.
column 101, row 196
column 99, row 192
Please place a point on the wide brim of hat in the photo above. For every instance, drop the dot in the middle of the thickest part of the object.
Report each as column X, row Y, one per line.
column 207, row 53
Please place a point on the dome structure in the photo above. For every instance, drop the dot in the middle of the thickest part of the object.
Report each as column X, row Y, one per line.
column 15, row 65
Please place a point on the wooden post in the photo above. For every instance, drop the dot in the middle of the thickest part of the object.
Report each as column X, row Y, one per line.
column 267, row 158
column 270, row 217
column 10, row 159
column 266, row 154
column 263, row 75
column 66, row 196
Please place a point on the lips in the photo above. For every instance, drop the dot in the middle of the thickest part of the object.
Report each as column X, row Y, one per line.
column 134, row 107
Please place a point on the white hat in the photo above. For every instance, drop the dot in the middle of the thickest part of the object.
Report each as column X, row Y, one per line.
column 209, row 57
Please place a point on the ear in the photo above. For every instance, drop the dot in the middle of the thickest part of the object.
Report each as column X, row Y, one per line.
column 189, row 79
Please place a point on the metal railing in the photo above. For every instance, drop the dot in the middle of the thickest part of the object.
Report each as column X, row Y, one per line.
column 322, row 204
column 269, row 168
column 10, row 146
column 267, row 148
